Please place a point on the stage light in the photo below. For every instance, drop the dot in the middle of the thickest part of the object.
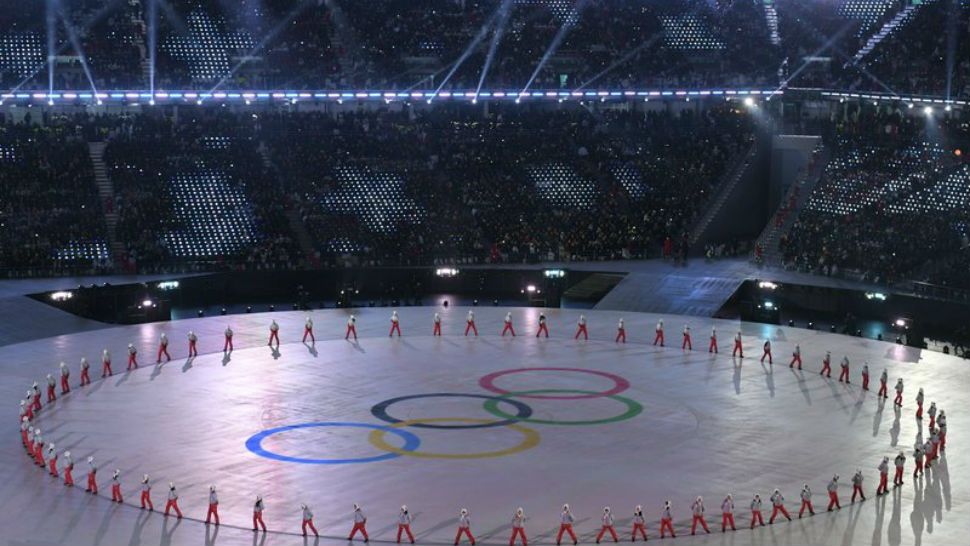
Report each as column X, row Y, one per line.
column 875, row 296
column 446, row 272
column 910, row 106
column 200, row 313
column 948, row 108
column 475, row 303
column 769, row 305
column 222, row 311
column 531, row 288
column 749, row 102
column 249, row 308
column 791, row 323
column 146, row 303
column 928, row 110
column 554, row 273
column 767, row 285
column 958, row 152
column 272, row 308
column 61, row 296
column 167, row 285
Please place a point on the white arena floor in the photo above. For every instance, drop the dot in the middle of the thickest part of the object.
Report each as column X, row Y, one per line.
column 313, row 424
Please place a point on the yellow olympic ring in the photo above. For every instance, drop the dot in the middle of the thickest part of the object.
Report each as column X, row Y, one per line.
column 530, row 439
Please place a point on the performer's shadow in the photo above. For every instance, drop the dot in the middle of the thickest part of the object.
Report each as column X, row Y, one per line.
column 188, row 364
column 312, row 349
column 226, row 357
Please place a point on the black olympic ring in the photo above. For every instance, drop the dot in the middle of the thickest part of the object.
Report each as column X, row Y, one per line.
column 380, row 410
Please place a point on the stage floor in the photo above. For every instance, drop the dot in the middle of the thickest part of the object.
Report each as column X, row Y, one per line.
column 310, row 424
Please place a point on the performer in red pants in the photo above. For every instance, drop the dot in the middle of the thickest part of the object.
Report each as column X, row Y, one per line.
column 308, row 520
column 796, row 357
column 404, row 524
column 508, row 325
column 865, row 377
column 727, row 513
column 227, row 346
column 778, row 507
column 92, row 477
column 620, row 333
column 844, row 374
column 666, row 521
column 437, row 325
column 883, row 387
column 85, row 372
column 919, row 404
column 566, row 525
column 900, row 463
column 932, row 413
column 464, row 527
column 52, row 460
column 639, row 524
column 581, row 328
column 826, row 365
column 116, row 487
column 351, row 327
column 833, row 489
column 193, row 344
column 146, row 493
column 698, row 511
column 712, row 348
column 607, row 527
column 518, row 527
column 132, row 357
column 35, row 396
column 806, row 496
column 274, row 334
column 542, row 326
column 738, row 350
column 360, row 521
column 65, row 379
column 68, row 469
column 918, row 460
column 883, row 487
column 162, row 350
column 173, row 501
column 686, row 344
column 24, row 428
column 51, row 385
column 767, row 351
column 470, row 324
column 308, row 331
column 395, row 325
column 857, row 486
column 899, row 392
column 659, row 337
column 258, row 514
column 213, row 511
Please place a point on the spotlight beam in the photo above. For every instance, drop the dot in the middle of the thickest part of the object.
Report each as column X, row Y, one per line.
column 51, row 16
column 556, row 41
column 152, row 43
column 506, row 10
column 76, row 42
column 622, row 60
column 482, row 32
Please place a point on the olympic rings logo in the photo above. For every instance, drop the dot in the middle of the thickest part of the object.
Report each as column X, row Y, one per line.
column 523, row 413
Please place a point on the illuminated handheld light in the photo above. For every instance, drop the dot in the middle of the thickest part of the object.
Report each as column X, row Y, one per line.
column 61, row 296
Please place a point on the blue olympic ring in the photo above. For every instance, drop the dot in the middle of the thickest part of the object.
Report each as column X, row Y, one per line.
column 255, row 443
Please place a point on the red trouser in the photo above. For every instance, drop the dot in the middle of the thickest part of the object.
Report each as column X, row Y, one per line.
column 844, row 375
column 308, row 332
column 865, row 382
column 68, row 477
column 50, row 394
column 92, row 484
column 39, row 454
column 659, row 338
column 212, row 512
column 542, row 328
column 358, row 526
column 698, row 519
column 518, row 532
column 768, row 355
column 227, row 344
column 437, row 329
column 607, row 529
column 932, row 421
column 192, row 349
column 85, row 378
column 919, row 410
column 106, row 369
column 23, row 437
column 882, row 389
column 775, row 510
column 132, row 361
column 36, row 403
column 919, row 467
column 796, row 359
column 737, row 349
column 898, row 478
column 621, row 336
column 643, row 531
column 826, row 369
column 274, row 334
column 687, row 344
column 581, row 329
column 173, row 504
column 508, row 328
column 467, row 532
column 883, row 483
column 834, row 500
column 666, row 525
column 146, row 500
column 52, row 464
column 899, row 399
column 756, row 518
column 309, row 523
column 565, row 528
column 712, row 348
column 65, row 386
column 395, row 326
column 404, row 529
column 351, row 330
column 727, row 518
column 470, row 326
column 162, row 350
column 116, row 493
column 258, row 520
column 806, row 505
column 857, row 490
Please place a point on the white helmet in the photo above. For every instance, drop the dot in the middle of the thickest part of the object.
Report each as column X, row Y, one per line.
column 519, row 511
column 145, row 478
column 606, row 509
column 49, row 376
column 639, row 508
column 171, row 485
column 212, row 488
column 464, row 511
column 565, row 508
column 404, row 508
column 90, row 459
column 67, row 454
column 356, row 506
column 63, row 364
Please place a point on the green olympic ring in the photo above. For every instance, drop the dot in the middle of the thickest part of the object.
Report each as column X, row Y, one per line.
column 633, row 408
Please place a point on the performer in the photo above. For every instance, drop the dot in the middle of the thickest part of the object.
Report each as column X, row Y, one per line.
column 883, row 487
column 767, row 352
column 659, row 338
column 796, row 357
column 359, row 523
column 686, row 343
column 470, row 324
column 404, row 524
column 865, row 376
column 39, row 449
column 581, row 328
column 928, row 453
column 508, row 325
column 666, row 517
column 833, row 489
column 778, row 507
column 932, row 413
column 193, row 343
column 51, row 384
column 712, row 348
column 274, row 333
column 258, row 515
column 68, row 469
column 542, row 326
column 934, row 440
column 213, row 511
column 162, row 350
column 35, row 396
column 566, row 525
column 26, row 410
column 173, row 501
column 30, row 441
column 620, row 332
column 738, row 350
column 437, row 325
column 899, row 392
column 24, row 428
column 639, row 524
column 308, row 330
column 919, row 404
column 227, row 346
column 464, row 527
column 395, row 325
column 92, row 477
column 351, row 327
column 756, row 512
column 900, row 462
column 883, row 380
column 607, row 527
column 132, row 357
column 918, row 458
column 727, row 513
column 65, row 377
column 698, row 509
column 52, row 461
column 518, row 527
column 116, row 486
column 146, row 493
column 826, row 365
column 85, row 369
column 941, row 426
column 857, row 486
column 844, row 374
column 308, row 521
column 806, row 496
